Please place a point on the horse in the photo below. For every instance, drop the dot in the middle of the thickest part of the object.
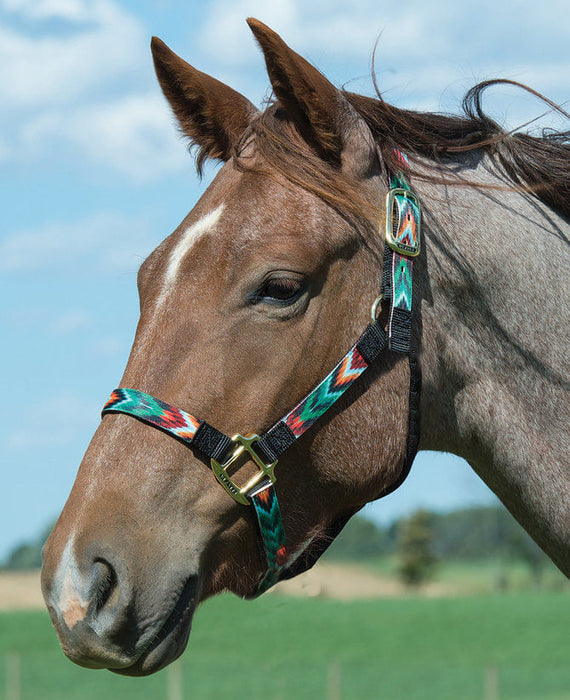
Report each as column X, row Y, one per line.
column 430, row 249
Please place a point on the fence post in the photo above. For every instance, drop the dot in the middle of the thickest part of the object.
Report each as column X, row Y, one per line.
column 174, row 680
column 13, row 684
column 334, row 689
column 491, row 683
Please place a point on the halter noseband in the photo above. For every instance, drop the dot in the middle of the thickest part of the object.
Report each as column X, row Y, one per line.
column 402, row 245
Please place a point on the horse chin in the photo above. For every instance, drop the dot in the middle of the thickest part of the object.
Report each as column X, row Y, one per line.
column 172, row 639
column 163, row 652
column 168, row 644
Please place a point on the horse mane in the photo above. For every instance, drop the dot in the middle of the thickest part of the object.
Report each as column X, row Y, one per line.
column 537, row 164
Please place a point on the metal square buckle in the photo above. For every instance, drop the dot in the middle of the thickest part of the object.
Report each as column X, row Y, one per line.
column 403, row 220
column 243, row 444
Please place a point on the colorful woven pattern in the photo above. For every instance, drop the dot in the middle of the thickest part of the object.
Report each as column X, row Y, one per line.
column 406, row 229
column 272, row 533
column 402, row 281
column 326, row 393
column 153, row 411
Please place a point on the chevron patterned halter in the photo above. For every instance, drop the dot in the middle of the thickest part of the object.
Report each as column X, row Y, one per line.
column 402, row 244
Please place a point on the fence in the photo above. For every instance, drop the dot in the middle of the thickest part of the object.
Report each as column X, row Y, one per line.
column 174, row 689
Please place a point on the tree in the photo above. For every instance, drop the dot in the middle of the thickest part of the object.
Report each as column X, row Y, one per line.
column 528, row 551
column 415, row 548
column 360, row 539
column 28, row 555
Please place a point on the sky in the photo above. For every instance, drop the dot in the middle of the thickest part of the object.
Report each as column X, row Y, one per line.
column 94, row 175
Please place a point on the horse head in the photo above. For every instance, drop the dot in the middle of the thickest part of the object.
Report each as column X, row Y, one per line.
column 243, row 310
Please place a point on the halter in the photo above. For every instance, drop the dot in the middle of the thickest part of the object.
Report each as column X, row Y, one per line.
column 402, row 237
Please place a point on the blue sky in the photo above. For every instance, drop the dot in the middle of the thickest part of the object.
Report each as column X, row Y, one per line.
column 94, row 176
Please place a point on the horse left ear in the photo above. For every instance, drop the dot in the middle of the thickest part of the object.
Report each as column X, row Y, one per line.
column 209, row 112
column 320, row 111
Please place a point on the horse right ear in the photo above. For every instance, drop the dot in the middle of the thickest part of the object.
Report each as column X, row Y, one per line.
column 322, row 114
column 209, row 112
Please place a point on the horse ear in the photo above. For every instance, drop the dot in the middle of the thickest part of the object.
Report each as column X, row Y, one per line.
column 320, row 111
column 209, row 112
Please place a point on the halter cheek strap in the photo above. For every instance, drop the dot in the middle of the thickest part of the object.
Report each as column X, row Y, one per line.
column 402, row 244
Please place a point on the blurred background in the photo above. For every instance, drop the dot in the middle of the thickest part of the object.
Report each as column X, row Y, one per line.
column 94, row 176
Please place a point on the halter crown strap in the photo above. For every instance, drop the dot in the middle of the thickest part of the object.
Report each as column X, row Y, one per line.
column 403, row 244
column 402, row 238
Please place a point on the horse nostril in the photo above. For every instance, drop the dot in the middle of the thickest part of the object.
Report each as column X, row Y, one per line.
column 104, row 584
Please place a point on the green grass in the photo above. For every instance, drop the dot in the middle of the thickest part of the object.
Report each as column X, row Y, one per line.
column 479, row 576
column 398, row 649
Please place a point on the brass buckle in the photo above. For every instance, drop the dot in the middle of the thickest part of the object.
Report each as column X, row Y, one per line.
column 243, row 444
column 393, row 210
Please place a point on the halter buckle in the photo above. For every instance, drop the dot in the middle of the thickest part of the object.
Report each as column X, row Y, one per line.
column 403, row 218
column 243, row 450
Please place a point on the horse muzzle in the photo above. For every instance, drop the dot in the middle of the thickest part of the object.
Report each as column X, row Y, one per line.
column 105, row 618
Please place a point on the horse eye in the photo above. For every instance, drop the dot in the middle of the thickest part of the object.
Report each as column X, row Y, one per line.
column 280, row 290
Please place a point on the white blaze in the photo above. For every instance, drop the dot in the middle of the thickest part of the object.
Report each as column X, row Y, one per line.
column 69, row 587
column 187, row 240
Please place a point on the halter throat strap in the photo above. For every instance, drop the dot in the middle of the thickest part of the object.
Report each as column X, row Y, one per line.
column 402, row 244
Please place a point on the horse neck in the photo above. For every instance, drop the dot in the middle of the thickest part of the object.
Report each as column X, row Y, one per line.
column 493, row 345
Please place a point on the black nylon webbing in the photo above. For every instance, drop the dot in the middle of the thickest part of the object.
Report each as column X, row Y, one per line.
column 414, row 409
column 372, row 342
column 400, row 341
column 275, row 441
column 211, row 442
column 386, row 284
column 413, row 439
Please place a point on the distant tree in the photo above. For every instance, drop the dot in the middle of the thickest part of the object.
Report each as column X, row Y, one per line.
column 415, row 548
column 481, row 532
column 28, row 555
column 24, row 556
column 525, row 548
column 471, row 533
column 360, row 539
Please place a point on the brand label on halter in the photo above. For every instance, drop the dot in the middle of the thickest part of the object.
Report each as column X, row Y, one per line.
column 228, row 483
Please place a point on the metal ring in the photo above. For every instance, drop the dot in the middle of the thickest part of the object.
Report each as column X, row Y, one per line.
column 374, row 308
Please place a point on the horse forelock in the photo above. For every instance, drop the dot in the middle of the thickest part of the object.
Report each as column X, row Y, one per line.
column 274, row 146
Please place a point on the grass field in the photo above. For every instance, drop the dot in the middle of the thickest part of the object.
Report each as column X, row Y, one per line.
column 279, row 647
column 480, row 576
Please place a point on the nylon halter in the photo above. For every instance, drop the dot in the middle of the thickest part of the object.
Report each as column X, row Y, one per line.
column 402, row 237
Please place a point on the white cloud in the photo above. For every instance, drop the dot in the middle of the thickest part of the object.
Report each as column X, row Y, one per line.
column 408, row 28
column 73, row 10
column 62, row 87
column 104, row 242
column 105, row 43
column 135, row 135
column 108, row 347
column 423, row 46
column 57, row 87
column 226, row 36
column 71, row 321
column 54, row 422
column 334, row 27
